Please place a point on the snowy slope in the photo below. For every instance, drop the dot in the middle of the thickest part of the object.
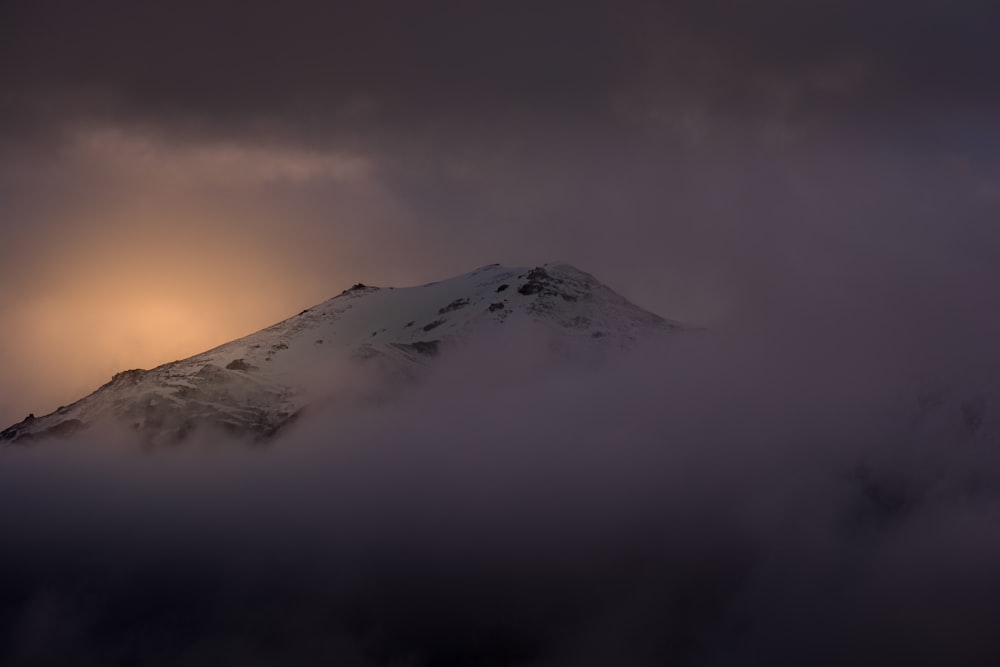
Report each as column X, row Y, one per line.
column 257, row 384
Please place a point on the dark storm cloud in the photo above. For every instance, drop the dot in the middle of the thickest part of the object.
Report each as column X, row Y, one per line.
column 321, row 64
column 317, row 68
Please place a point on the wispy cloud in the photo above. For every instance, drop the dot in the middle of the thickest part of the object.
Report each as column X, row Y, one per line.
column 214, row 164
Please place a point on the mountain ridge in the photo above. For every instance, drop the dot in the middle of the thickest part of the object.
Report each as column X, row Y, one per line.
column 254, row 385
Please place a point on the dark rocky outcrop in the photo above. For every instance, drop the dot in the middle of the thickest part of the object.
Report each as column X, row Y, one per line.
column 357, row 287
column 454, row 305
column 16, row 433
column 126, row 378
column 538, row 280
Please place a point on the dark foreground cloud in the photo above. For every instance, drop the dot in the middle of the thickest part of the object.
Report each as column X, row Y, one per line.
column 726, row 499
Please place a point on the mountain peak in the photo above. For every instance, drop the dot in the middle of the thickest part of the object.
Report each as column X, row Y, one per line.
column 254, row 385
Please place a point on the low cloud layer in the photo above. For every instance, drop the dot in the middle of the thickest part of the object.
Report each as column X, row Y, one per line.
column 721, row 499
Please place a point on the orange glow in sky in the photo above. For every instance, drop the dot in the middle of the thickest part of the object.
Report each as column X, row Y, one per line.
column 136, row 299
column 136, row 251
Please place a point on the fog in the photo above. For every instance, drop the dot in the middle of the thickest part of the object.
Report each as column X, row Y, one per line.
column 716, row 498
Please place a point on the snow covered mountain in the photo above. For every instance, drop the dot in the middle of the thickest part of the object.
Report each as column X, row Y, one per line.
column 257, row 384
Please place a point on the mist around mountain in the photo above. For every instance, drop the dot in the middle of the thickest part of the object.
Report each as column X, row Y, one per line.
column 800, row 493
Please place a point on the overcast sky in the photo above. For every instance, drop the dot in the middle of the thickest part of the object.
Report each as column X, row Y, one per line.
column 174, row 175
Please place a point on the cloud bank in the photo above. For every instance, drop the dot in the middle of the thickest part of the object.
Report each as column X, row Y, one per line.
column 721, row 499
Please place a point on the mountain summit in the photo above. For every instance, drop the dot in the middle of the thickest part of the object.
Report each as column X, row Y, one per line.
column 257, row 384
